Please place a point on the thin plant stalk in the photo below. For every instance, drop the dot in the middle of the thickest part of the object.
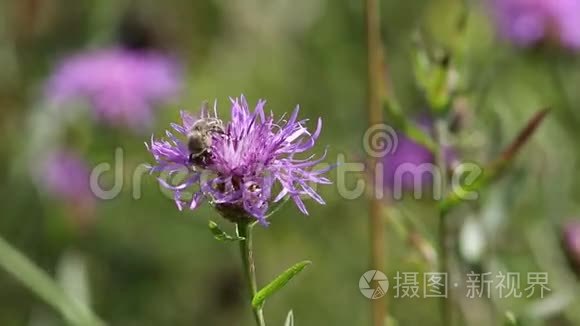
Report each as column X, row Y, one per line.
column 37, row 280
column 244, row 231
column 376, row 85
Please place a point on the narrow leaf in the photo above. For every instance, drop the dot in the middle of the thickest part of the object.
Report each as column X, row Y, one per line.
column 408, row 128
column 511, row 319
column 289, row 319
column 431, row 74
column 39, row 282
column 522, row 138
column 419, row 136
column 278, row 283
column 220, row 235
column 394, row 112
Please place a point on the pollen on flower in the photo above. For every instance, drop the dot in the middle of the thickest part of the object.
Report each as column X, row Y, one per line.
column 236, row 165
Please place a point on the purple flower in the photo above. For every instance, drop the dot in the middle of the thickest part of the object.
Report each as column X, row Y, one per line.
column 121, row 85
column 242, row 162
column 529, row 22
column 65, row 175
column 571, row 244
column 411, row 166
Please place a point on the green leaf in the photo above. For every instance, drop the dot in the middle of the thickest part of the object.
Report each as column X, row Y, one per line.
column 390, row 321
column 421, row 61
column 432, row 75
column 510, row 319
column 408, row 128
column 418, row 135
column 437, row 91
column 45, row 287
column 220, row 235
column 278, row 283
column 289, row 319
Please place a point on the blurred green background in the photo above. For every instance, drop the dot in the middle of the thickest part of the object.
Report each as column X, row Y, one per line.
column 149, row 264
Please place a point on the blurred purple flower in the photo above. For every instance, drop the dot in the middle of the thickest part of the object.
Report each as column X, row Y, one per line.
column 571, row 243
column 243, row 163
column 121, row 85
column 528, row 22
column 65, row 175
column 411, row 166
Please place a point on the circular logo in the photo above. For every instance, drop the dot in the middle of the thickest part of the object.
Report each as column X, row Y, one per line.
column 373, row 284
column 380, row 140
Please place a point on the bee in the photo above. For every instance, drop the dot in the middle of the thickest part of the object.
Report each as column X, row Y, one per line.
column 200, row 138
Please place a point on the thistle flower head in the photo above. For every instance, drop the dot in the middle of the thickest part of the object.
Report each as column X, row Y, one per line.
column 237, row 165
column 65, row 175
column 121, row 85
column 529, row 22
column 411, row 166
column 570, row 236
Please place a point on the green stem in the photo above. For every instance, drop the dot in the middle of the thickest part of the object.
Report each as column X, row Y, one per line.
column 244, row 230
column 444, row 236
column 45, row 287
